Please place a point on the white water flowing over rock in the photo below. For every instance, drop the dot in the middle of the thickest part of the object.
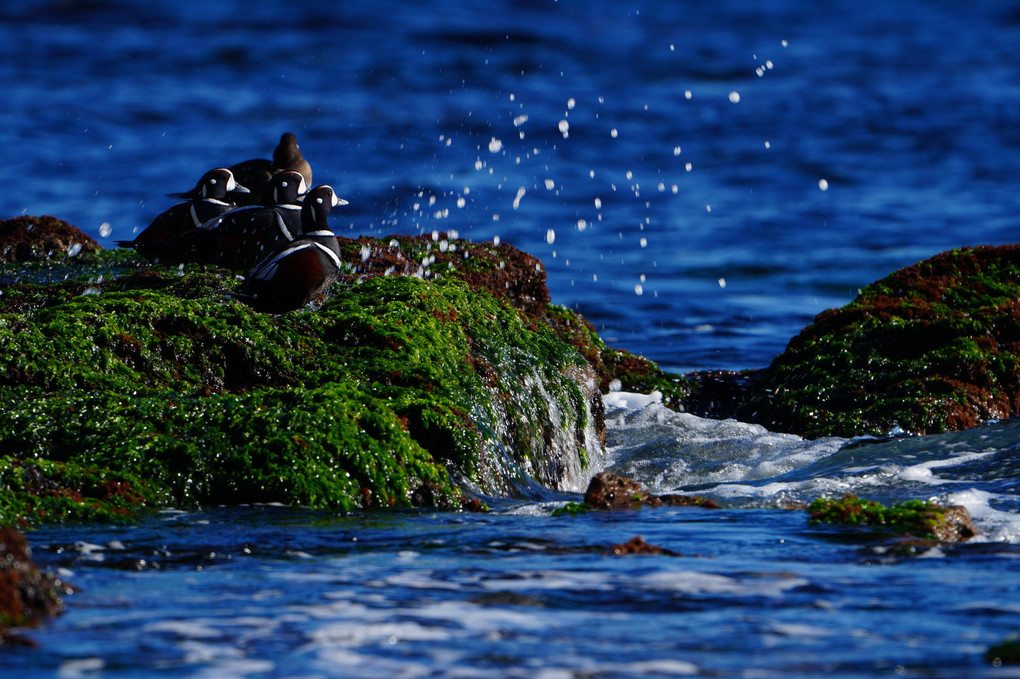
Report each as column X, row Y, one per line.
column 664, row 449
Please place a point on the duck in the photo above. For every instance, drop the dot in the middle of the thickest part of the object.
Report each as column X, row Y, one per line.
column 214, row 195
column 240, row 238
column 302, row 270
column 255, row 173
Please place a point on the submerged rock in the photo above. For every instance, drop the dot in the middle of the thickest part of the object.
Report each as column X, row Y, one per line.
column 921, row 519
column 637, row 545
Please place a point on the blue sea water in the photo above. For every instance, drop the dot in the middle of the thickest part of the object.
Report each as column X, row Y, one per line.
column 699, row 178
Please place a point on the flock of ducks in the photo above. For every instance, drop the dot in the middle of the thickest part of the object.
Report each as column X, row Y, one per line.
column 258, row 217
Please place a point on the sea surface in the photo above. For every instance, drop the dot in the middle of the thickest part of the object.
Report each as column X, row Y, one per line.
column 699, row 178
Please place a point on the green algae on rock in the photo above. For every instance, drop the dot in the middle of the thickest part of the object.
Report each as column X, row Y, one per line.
column 914, row 517
column 932, row 347
column 374, row 399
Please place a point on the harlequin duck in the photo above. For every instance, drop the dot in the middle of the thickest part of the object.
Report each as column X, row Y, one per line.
column 255, row 173
column 214, row 196
column 298, row 272
column 242, row 237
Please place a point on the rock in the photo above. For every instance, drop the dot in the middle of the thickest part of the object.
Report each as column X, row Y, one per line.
column 1004, row 653
column 27, row 595
column 30, row 239
column 925, row 520
column 612, row 491
column 637, row 545
column 398, row 390
column 930, row 348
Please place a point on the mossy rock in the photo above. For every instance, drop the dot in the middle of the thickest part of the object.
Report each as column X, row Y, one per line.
column 397, row 390
column 920, row 519
column 933, row 347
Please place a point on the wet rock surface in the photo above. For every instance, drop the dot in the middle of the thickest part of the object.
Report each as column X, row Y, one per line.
column 29, row 239
column 27, row 595
column 612, row 491
column 435, row 364
column 926, row 520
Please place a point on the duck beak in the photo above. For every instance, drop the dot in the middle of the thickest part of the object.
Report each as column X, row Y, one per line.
column 237, row 188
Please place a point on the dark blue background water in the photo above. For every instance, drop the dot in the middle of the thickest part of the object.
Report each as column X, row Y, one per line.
column 906, row 109
column 415, row 113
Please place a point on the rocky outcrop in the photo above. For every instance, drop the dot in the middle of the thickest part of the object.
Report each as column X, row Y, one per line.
column 930, row 348
column 435, row 366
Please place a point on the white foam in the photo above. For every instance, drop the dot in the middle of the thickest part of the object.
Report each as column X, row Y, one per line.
column 664, row 449
column 994, row 525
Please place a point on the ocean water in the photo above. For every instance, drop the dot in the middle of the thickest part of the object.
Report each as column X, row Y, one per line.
column 699, row 179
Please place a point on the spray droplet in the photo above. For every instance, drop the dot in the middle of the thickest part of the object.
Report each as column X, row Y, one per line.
column 517, row 198
column 722, row 282
column 495, row 145
column 564, row 128
column 734, row 97
column 613, row 133
column 582, row 224
column 823, row 184
column 105, row 229
column 676, row 150
column 550, row 236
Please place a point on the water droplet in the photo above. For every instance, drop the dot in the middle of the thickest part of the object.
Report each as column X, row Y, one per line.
column 564, row 128
column 550, row 236
column 613, row 133
column 722, row 282
column 676, row 150
column 823, row 184
column 688, row 94
column 644, row 242
column 735, row 97
column 549, row 185
column 495, row 146
column 105, row 229
column 582, row 224
column 517, row 198
column 598, row 203
column 571, row 103
column 639, row 290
